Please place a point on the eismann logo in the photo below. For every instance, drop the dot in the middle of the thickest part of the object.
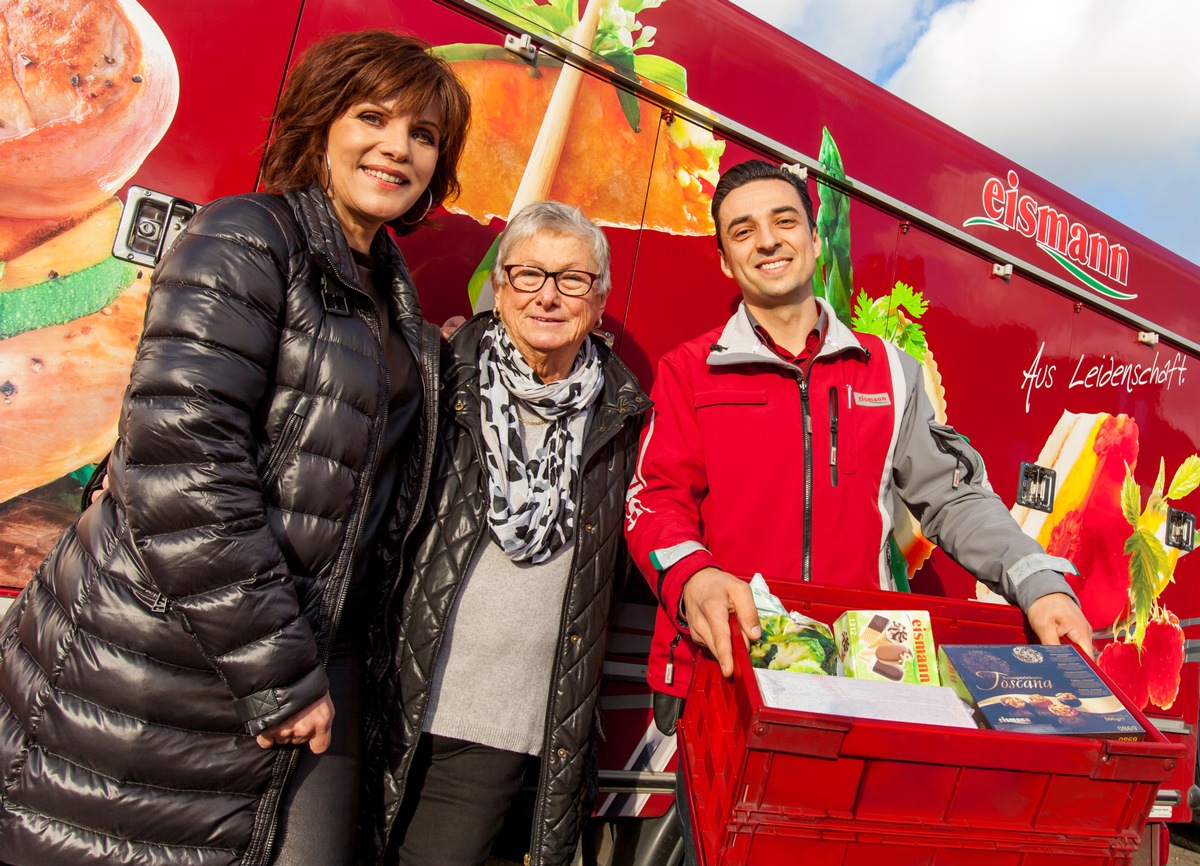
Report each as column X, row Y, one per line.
column 1068, row 242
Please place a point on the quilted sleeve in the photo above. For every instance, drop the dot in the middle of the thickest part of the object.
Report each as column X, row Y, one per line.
column 190, row 483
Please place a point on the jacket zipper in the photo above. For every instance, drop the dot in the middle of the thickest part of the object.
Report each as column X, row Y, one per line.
column 806, row 423
column 287, row 438
column 833, row 433
column 539, row 808
column 380, row 425
column 430, row 409
column 358, row 512
column 960, row 460
column 669, row 670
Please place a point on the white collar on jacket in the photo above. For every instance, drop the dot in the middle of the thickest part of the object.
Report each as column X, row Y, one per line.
column 739, row 344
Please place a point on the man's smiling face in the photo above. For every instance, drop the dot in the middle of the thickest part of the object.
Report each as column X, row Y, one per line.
column 767, row 245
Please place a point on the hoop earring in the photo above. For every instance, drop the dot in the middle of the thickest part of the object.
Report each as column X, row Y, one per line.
column 424, row 213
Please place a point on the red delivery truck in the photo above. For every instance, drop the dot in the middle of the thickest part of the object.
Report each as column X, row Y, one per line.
column 1050, row 333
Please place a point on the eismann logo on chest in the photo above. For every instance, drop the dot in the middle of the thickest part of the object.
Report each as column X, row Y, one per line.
column 1076, row 249
column 872, row 399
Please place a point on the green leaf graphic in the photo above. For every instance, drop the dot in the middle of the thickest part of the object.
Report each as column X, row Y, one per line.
column 1187, row 478
column 483, row 272
column 1131, row 498
column 1147, row 559
column 881, row 317
column 661, row 70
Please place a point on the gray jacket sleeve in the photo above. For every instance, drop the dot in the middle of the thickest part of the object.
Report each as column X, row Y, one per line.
column 943, row 482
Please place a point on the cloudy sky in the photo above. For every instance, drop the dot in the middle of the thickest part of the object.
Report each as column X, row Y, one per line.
column 1101, row 97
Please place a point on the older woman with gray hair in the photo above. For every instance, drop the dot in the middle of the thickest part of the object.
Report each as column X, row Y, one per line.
column 498, row 641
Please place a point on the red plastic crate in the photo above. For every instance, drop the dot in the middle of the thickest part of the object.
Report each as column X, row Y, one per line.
column 767, row 783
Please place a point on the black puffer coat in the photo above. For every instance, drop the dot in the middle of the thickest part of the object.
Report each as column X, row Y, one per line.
column 443, row 545
column 134, row 677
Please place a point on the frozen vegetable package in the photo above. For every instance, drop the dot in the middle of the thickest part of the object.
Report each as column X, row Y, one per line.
column 790, row 641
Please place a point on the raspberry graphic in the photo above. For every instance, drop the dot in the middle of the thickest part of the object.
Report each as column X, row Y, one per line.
column 1162, row 659
column 1120, row 661
column 1066, row 539
column 1119, row 436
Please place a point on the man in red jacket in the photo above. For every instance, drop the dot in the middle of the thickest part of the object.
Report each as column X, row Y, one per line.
column 777, row 440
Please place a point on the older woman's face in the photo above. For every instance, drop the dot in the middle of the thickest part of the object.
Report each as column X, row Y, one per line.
column 547, row 326
column 380, row 163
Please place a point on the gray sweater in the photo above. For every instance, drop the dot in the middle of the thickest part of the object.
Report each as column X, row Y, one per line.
column 492, row 680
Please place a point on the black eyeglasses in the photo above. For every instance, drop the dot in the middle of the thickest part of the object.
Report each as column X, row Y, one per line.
column 527, row 278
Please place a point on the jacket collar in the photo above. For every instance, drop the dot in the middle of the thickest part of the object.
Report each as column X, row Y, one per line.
column 328, row 246
column 738, row 344
column 323, row 233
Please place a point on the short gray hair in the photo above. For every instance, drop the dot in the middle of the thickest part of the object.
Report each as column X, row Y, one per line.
column 555, row 217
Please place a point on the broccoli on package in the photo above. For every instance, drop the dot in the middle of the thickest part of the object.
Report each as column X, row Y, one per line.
column 790, row 641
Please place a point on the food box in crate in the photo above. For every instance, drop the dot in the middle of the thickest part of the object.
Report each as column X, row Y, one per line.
column 890, row 645
column 1037, row 690
column 766, row 784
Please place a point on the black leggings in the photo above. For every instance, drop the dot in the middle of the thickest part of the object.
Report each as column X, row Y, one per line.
column 458, row 796
column 319, row 809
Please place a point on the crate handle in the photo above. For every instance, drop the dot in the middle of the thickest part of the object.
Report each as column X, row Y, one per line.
column 807, row 735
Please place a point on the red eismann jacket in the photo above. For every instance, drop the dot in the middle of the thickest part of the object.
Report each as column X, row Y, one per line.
column 747, row 466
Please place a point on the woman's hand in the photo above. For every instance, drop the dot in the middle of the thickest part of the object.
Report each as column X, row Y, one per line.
column 451, row 325
column 312, row 725
column 103, row 486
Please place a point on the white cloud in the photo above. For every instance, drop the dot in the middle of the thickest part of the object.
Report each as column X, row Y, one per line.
column 868, row 36
column 787, row 16
column 1087, row 93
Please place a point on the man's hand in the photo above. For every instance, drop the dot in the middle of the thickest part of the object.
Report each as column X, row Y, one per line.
column 312, row 725
column 709, row 596
column 1056, row 616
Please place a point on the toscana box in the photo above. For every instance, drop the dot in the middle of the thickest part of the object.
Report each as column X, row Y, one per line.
column 1036, row 690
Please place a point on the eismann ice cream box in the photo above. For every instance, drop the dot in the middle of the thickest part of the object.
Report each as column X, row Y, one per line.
column 1036, row 689
column 895, row 645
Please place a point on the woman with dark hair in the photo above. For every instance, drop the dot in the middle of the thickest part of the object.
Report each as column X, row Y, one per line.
column 498, row 638
column 184, row 680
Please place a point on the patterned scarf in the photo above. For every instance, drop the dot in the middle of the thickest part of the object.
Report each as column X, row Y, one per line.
column 530, row 506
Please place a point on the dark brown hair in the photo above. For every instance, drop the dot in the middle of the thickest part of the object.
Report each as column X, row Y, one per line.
column 748, row 172
column 370, row 65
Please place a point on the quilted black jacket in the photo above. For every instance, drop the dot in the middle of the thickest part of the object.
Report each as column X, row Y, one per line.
column 443, row 545
column 190, row 607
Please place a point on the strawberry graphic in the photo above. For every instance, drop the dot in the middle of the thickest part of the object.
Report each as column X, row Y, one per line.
column 1120, row 661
